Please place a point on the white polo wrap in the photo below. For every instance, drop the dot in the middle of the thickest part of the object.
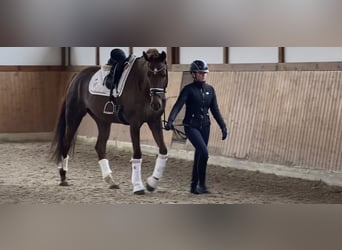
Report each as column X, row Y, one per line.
column 160, row 166
column 105, row 168
column 64, row 163
column 136, row 175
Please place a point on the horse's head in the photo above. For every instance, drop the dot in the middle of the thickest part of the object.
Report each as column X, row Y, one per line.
column 157, row 77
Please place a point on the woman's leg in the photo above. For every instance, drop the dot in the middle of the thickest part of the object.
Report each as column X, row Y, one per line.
column 199, row 139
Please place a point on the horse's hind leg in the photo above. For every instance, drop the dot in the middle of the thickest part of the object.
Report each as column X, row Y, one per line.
column 63, row 168
column 101, row 145
column 157, row 132
column 73, row 121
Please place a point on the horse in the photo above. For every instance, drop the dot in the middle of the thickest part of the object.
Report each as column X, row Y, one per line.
column 142, row 101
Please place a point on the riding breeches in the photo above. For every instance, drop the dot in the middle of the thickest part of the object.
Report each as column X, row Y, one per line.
column 199, row 139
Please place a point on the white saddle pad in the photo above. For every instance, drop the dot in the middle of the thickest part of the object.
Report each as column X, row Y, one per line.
column 96, row 86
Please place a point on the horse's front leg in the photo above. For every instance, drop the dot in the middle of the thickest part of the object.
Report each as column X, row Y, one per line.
column 101, row 145
column 157, row 132
column 138, row 186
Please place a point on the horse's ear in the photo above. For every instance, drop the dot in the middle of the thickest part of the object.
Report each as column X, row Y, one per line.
column 145, row 56
column 163, row 56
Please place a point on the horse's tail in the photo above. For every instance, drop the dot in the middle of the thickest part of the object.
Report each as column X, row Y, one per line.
column 59, row 134
column 58, row 141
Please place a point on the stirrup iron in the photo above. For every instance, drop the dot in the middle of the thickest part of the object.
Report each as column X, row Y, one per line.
column 109, row 108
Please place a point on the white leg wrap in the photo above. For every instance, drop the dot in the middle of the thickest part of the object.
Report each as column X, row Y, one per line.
column 64, row 163
column 158, row 170
column 160, row 166
column 105, row 168
column 136, row 175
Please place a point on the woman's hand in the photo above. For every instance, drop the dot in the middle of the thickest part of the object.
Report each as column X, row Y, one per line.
column 169, row 126
column 224, row 133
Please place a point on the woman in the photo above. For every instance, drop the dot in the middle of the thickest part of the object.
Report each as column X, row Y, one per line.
column 198, row 97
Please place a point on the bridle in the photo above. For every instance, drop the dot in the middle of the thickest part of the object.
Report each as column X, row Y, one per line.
column 155, row 71
column 161, row 93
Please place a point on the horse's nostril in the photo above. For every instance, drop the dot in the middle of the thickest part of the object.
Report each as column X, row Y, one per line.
column 155, row 106
column 156, row 103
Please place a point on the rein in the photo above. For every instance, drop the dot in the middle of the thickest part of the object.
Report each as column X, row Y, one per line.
column 179, row 133
column 161, row 93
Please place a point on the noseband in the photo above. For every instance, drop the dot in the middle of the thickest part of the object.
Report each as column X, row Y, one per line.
column 157, row 91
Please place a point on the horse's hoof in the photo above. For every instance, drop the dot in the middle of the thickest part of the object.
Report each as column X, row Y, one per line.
column 140, row 192
column 114, row 186
column 64, row 184
column 151, row 183
column 149, row 188
column 109, row 180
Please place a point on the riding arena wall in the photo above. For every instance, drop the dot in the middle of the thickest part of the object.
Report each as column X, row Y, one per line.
column 286, row 114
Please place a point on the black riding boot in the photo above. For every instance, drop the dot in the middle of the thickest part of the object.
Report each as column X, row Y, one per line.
column 198, row 176
column 202, row 170
column 194, row 178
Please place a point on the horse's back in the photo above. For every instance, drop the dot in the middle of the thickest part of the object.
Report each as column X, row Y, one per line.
column 86, row 73
column 83, row 77
column 78, row 86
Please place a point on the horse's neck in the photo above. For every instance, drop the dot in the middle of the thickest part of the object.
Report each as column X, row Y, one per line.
column 140, row 72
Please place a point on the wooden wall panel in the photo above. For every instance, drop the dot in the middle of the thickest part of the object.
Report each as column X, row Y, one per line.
column 290, row 118
column 29, row 101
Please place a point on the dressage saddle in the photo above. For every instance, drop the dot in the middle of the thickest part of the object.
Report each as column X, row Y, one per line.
column 117, row 61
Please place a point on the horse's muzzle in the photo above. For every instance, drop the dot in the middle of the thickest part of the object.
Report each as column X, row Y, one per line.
column 157, row 97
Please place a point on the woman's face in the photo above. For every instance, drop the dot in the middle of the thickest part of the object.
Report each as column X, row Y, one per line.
column 201, row 76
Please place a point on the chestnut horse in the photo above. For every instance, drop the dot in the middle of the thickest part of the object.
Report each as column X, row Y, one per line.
column 142, row 100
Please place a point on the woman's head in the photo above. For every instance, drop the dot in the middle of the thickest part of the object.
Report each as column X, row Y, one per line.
column 199, row 70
